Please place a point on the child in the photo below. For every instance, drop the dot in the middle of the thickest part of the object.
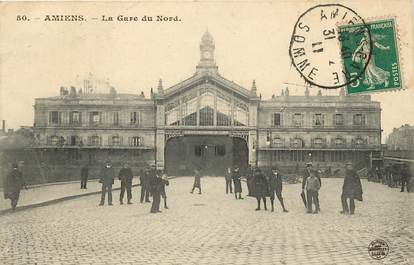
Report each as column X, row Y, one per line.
column 312, row 188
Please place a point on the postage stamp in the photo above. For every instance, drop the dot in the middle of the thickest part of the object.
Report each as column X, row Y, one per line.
column 314, row 48
column 379, row 56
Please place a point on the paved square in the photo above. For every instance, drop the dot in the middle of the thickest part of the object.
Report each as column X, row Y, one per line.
column 212, row 228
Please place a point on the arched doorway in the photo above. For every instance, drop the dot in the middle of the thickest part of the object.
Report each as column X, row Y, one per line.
column 211, row 154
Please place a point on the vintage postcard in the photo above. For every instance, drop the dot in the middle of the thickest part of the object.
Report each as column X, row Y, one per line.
column 207, row 132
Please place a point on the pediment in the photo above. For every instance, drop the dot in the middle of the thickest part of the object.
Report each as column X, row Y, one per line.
column 197, row 81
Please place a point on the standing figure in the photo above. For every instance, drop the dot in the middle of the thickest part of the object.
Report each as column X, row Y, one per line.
column 306, row 174
column 197, row 181
column 275, row 186
column 260, row 188
column 352, row 189
column 164, row 182
column 13, row 184
column 125, row 176
column 405, row 177
column 144, row 182
column 228, row 181
column 312, row 192
column 155, row 188
column 249, row 178
column 84, row 176
column 106, row 177
column 237, row 183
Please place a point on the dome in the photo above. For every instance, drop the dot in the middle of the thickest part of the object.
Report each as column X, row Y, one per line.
column 207, row 39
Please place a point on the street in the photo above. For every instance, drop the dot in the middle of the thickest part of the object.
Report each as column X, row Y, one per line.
column 212, row 228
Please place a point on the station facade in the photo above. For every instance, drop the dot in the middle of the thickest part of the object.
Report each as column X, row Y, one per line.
column 207, row 122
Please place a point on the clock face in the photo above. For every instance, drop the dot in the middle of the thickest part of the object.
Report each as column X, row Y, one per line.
column 207, row 55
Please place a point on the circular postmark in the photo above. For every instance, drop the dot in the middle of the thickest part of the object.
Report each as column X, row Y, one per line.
column 322, row 38
column 378, row 249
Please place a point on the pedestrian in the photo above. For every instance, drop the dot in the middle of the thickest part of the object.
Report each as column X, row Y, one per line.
column 164, row 182
column 237, row 183
column 197, row 181
column 260, row 188
column 125, row 176
column 312, row 189
column 318, row 174
column 13, row 183
column 352, row 189
column 84, row 176
column 106, row 177
column 275, row 187
column 228, row 179
column 405, row 176
column 144, row 183
column 305, row 175
column 155, row 188
column 249, row 178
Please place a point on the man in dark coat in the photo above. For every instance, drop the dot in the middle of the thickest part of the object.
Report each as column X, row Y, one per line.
column 352, row 189
column 405, row 177
column 13, row 184
column 260, row 188
column 197, row 181
column 106, row 177
column 249, row 178
column 155, row 188
column 237, row 183
column 164, row 182
column 228, row 179
column 125, row 176
column 275, row 186
column 84, row 176
column 144, row 182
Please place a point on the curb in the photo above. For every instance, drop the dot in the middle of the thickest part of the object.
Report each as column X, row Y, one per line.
column 55, row 201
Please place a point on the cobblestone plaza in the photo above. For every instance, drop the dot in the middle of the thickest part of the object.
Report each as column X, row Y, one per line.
column 212, row 228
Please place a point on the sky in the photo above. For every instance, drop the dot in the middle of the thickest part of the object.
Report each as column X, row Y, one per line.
column 37, row 57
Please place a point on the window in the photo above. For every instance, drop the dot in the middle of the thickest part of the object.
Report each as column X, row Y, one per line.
column 319, row 156
column 136, row 141
column 73, row 140
column 296, row 143
column 206, row 116
column 297, row 155
column 55, row 117
column 95, row 118
column 54, row 140
column 277, row 142
column 277, row 155
column 220, row 150
column 134, row 118
column 339, row 119
column 359, row 119
column 337, row 156
column 339, row 142
column 95, row 140
column 359, row 141
column 297, row 119
column 318, row 120
column 75, row 117
column 276, row 119
column 318, row 142
column 116, row 118
column 116, row 140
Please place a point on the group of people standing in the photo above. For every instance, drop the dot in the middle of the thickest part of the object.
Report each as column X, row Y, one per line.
column 152, row 184
column 397, row 175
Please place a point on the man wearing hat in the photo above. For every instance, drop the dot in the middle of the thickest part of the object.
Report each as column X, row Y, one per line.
column 352, row 189
column 308, row 171
column 106, row 177
column 237, row 183
column 125, row 176
column 13, row 184
column 145, row 183
column 275, row 186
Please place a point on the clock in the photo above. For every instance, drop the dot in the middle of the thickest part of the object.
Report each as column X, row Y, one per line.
column 207, row 55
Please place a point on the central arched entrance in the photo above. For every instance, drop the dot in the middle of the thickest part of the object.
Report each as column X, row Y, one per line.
column 212, row 154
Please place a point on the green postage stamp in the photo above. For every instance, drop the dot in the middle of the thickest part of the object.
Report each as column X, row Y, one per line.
column 376, row 50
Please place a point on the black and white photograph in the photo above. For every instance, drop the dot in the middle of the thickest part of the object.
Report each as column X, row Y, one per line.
column 207, row 132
